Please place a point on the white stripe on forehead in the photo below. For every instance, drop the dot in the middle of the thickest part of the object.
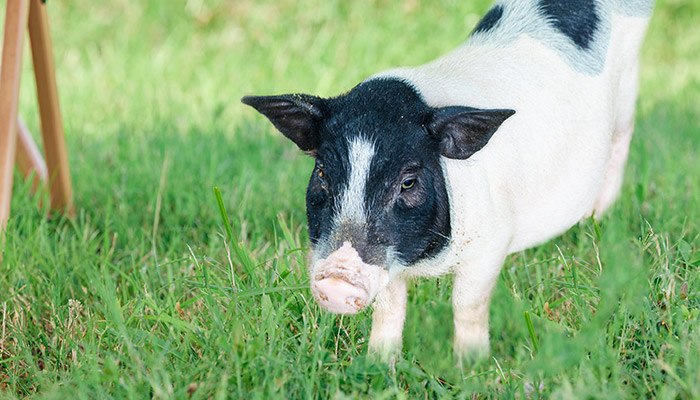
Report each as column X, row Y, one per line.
column 352, row 202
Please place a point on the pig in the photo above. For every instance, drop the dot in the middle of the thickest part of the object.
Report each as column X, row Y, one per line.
column 448, row 167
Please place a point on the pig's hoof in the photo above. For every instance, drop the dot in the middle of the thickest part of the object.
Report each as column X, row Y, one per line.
column 339, row 296
column 471, row 354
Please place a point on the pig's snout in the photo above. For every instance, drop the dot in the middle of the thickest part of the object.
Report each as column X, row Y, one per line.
column 342, row 283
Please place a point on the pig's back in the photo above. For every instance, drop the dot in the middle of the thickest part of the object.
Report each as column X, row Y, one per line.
column 545, row 165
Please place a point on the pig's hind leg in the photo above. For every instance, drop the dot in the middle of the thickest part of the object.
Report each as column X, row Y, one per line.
column 388, row 318
column 619, row 149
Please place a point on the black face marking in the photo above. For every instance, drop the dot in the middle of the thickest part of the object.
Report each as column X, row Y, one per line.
column 392, row 116
column 489, row 20
column 406, row 206
column 576, row 19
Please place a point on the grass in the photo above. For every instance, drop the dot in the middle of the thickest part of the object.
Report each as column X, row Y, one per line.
column 149, row 293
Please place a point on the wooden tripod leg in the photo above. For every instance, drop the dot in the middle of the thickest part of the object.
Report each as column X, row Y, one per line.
column 55, row 149
column 15, row 25
column 28, row 156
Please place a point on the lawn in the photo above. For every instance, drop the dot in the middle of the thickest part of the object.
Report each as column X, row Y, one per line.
column 148, row 292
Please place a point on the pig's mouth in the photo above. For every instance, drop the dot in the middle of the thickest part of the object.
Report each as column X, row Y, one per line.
column 342, row 283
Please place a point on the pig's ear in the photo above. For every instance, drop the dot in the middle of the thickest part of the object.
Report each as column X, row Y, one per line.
column 295, row 115
column 463, row 131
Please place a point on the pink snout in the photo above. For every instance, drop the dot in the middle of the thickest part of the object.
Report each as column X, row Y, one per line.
column 343, row 283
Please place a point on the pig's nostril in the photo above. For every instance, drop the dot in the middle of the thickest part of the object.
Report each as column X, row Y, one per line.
column 339, row 296
column 343, row 283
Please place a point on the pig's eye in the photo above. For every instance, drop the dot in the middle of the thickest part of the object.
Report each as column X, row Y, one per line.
column 407, row 184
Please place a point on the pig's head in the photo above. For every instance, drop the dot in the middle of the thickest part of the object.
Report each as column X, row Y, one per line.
column 376, row 201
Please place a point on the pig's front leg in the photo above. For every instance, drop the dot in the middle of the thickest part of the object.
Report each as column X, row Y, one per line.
column 388, row 318
column 471, row 296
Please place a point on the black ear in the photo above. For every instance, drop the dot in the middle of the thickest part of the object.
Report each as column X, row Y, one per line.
column 295, row 115
column 464, row 130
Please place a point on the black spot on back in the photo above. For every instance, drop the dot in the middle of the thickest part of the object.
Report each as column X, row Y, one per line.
column 489, row 20
column 576, row 19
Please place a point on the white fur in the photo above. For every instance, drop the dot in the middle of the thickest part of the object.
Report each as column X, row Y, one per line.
column 388, row 317
column 352, row 203
column 560, row 158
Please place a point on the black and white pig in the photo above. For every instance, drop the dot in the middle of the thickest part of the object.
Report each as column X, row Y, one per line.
column 498, row 146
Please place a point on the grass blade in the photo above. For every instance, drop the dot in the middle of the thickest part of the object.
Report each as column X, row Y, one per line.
column 531, row 331
column 238, row 251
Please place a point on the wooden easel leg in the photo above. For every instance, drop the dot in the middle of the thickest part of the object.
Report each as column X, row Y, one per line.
column 28, row 156
column 16, row 15
column 55, row 150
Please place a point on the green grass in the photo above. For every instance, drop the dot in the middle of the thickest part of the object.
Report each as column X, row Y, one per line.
column 148, row 293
